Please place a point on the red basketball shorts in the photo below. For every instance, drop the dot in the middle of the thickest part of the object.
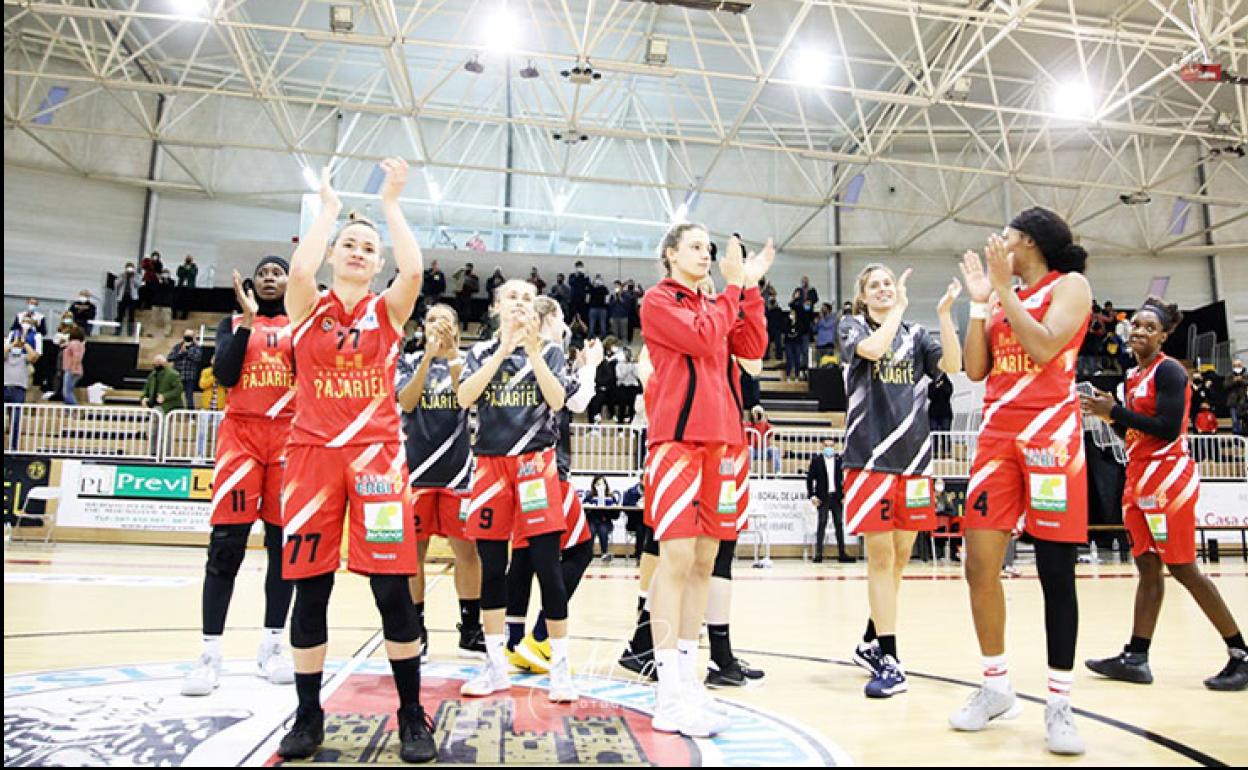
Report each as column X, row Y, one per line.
column 1159, row 508
column 882, row 502
column 1030, row 473
column 247, row 476
column 695, row 490
column 515, row 498
column 437, row 511
column 575, row 525
column 365, row 483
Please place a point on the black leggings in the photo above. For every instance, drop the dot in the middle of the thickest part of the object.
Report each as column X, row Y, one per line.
column 227, row 547
column 309, row 624
column 1056, row 564
column 543, row 561
column 573, row 562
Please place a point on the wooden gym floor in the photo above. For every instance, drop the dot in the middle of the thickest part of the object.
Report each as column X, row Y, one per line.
column 74, row 606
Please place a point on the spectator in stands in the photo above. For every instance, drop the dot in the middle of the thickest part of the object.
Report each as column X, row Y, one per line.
column 948, row 524
column 807, row 294
column 163, row 389
column 579, row 284
column 825, row 333
column 601, row 522
column 618, row 311
column 467, row 284
column 127, row 298
column 847, row 309
column 635, row 497
column 71, row 363
column 823, row 486
column 495, row 280
column 185, row 357
column 634, row 292
column 598, row 294
column 213, row 396
column 188, row 273
column 751, row 390
column 1206, row 420
column 579, row 332
column 1122, row 327
column 628, row 386
column 761, row 444
column 535, row 278
column 152, row 268
column 83, row 310
column 475, row 243
column 777, row 325
column 1108, row 317
column 162, row 305
column 605, row 384
column 1236, row 387
column 21, row 350
column 793, row 339
column 31, row 317
column 1201, row 393
column 560, row 292
column 803, row 318
column 49, row 373
column 940, row 403
column 434, row 285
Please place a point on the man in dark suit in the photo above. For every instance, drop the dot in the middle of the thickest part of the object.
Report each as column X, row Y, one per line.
column 823, row 484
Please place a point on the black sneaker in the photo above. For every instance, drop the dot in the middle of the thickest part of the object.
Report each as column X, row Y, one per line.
column 471, row 641
column 1125, row 667
column 725, row 676
column 305, row 736
column 642, row 665
column 1232, row 678
column 416, row 742
column 749, row 671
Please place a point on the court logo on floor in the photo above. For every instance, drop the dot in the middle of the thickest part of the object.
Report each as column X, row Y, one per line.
column 135, row 716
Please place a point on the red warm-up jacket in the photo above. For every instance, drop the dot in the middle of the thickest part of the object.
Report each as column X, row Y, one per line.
column 694, row 394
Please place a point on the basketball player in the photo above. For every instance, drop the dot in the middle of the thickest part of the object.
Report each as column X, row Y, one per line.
column 346, row 455
column 439, row 459
column 889, row 363
column 517, row 382
column 694, row 421
column 1159, row 501
column 532, row 652
column 253, row 360
column 1029, row 468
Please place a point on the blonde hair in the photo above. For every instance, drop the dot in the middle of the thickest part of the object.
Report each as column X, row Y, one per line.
column 860, row 297
column 672, row 240
column 545, row 307
column 452, row 312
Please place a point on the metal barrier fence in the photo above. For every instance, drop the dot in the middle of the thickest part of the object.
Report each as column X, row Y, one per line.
column 190, row 436
column 130, row 433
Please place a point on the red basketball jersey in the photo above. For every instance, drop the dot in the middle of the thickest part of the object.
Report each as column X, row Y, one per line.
column 266, row 386
column 344, row 371
column 1142, row 398
column 1016, row 382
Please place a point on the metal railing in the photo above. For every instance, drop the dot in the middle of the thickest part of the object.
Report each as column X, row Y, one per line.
column 190, row 436
column 83, row 431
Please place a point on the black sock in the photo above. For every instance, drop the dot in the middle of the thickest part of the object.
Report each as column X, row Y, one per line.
column 308, row 687
column 641, row 603
column 470, row 613
column 869, row 636
column 515, row 633
column 888, row 645
column 643, row 641
column 420, row 612
column 407, row 680
column 721, row 646
column 1235, row 642
column 1139, row 644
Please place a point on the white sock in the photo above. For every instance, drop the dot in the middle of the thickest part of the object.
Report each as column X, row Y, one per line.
column 996, row 673
column 495, row 644
column 273, row 637
column 1060, row 683
column 688, row 649
column 558, row 650
column 212, row 646
column 667, row 665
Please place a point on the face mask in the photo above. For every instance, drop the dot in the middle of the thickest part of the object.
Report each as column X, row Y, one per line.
column 827, row 451
column 85, row 297
column 129, row 269
column 32, row 308
column 158, row 367
column 189, row 339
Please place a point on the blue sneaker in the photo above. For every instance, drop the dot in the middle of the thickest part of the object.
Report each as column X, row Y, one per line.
column 868, row 657
column 889, row 681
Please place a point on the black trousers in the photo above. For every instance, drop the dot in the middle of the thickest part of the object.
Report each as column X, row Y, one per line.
column 831, row 508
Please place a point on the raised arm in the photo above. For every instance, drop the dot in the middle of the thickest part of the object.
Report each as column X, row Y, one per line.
column 402, row 294
column 1041, row 340
column 553, row 390
column 301, row 291
column 977, row 353
column 880, row 341
column 481, row 372
column 951, row 348
column 748, row 339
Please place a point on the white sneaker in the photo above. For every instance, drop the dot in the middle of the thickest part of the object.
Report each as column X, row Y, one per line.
column 273, row 664
column 678, row 715
column 1062, row 737
column 204, row 678
column 562, row 689
column 982, row 707
column 487, row 681
column 699, row 697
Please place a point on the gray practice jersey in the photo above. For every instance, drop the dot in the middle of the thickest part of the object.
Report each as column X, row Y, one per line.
column 886, row 425
column 439, row 451
column 513, row 417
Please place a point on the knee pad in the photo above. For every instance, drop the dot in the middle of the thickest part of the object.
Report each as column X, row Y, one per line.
column 651, row 544
column 309, row 623
column 399, row 621
column 493, row 555
column 723, row 559
column 227, row 545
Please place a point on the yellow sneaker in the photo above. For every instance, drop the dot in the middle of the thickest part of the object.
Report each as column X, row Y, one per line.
column 519, row 662
column 535, row 654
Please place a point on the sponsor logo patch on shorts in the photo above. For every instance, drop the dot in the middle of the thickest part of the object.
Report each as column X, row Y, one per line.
column 918, row 493
column 1048, row 491
column 533, row 495
column 383, row 522
column 1056, row 456
column 377, row 484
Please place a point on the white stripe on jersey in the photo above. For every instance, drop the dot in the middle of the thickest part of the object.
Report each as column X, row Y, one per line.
column 980, row 476
column 279, row 404
column 489, row 494
column 924, row 451
column 870, row 502
column 672, row 473
column 580, row 520
column 358, row 423
column 1009, row 396
column 525, row 439
column 297, row 521
column 302, row 329
column 364, row 458
column 681, row 503
column 459, row 477
column 437, row 454
column 1039, row 421
column 231, row 482
column 920, row 401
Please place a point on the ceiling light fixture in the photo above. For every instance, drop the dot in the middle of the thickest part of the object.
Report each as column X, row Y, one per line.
column 500, row 32
column 530, row 72
column 1074, row 99
column 810, row 67
column 474, row 65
